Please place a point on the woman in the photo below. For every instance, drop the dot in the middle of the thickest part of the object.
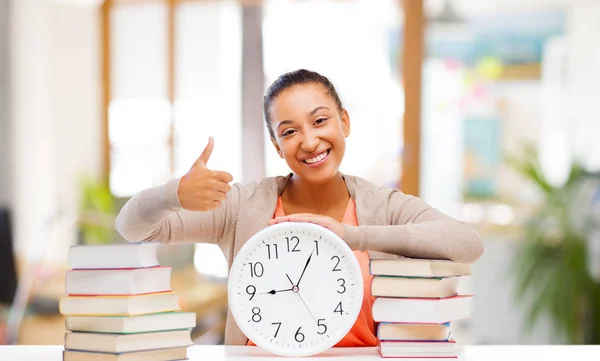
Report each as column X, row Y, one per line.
column 308, row 127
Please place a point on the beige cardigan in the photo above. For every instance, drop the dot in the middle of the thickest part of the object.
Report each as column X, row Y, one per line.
column 389, row 222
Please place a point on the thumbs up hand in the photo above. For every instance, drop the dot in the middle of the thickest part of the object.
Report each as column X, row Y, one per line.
column 202, row 189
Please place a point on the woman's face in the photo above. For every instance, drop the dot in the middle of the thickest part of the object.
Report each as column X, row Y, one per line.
column 310, row 131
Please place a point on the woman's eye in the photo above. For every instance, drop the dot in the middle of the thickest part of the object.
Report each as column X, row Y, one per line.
column 320, row 120
column 287, row 132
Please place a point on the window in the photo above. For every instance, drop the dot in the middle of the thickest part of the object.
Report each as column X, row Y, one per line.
column 139, row 112
column 171, row 90
column 350, row 43
column 156, row 134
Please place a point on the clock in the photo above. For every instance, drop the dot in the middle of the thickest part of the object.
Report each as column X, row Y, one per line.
column 295, row 289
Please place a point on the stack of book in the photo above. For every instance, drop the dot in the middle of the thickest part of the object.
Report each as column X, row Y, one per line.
column 120, row 307
column 416, row 300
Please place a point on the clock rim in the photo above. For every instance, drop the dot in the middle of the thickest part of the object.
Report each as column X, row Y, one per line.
column 281, row 350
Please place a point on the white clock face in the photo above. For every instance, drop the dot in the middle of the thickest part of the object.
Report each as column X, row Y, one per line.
column 295, row 289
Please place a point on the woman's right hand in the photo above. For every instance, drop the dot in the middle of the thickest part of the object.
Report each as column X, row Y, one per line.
column 202, row 189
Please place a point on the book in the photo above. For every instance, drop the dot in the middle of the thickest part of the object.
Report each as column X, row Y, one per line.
column 178, row 353
column 118, row 281
column 422, row 310
column 110, row 256
column 411, row 267
column 390, row 286
column 387, row 331
column 407, row 349
column 119, row 305
column 117, row 343
column 132, row 324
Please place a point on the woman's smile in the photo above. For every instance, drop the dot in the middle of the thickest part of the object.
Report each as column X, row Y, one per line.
column 318, row 160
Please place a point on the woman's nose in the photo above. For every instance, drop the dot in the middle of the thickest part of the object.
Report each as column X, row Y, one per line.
column 310, row 142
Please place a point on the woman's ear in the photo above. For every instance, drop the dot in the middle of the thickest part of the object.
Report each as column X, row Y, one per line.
column 277, row 147
column 345, row 123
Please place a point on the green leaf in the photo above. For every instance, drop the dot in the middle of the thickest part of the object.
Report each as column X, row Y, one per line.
column 550, row 265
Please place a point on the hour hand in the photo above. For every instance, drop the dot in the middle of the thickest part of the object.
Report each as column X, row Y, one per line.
column 272, row 292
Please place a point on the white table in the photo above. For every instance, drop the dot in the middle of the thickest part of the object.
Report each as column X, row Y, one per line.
column 244, row 353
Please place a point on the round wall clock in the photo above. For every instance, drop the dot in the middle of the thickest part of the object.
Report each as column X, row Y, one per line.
column 295, row 289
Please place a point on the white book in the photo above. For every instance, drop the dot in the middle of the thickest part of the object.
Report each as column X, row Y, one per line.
column 412, row 267
column 403, row 349
column 119, row 305
column 390, row 286
column 422, row 310
column 132, row 324
column 413, row 331
column 116, row 343
column 118, row 281
column 121, row 255
column 167, row 354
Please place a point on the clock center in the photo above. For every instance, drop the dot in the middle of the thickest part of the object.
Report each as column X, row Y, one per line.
column 295, row 289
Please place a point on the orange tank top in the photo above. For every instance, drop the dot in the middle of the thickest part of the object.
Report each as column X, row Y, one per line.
column 362, row 334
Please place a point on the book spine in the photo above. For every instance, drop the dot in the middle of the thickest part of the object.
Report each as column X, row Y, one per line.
column 119, row 269
column 413, row 323
column 116, row 294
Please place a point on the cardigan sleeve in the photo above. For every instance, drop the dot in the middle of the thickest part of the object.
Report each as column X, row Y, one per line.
column 155, row 214
column 417, row 230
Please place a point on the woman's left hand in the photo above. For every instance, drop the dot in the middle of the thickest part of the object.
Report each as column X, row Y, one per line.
column 325, row 221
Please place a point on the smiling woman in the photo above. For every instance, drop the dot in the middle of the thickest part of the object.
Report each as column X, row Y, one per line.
column 308, row 128
column 307, row 125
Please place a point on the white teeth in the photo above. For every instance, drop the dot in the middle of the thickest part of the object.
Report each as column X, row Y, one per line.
column 317, row 158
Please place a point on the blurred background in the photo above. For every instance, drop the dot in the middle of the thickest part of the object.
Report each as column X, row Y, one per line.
column 488, row 110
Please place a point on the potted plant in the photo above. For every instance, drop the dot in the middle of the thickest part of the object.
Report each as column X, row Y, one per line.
column 552, row 277
column 96, row 212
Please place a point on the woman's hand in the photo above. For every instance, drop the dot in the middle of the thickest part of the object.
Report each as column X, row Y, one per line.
column 325, row 221
column 202, row 189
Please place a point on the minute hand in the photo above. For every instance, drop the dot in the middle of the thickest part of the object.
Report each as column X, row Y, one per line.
column 306, row 265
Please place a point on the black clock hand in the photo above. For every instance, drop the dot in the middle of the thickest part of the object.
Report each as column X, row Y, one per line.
column 289, row 279
column 274, row 292
column 306, row 265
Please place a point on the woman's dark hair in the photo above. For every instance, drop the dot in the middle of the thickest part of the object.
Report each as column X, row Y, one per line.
column 293, row 78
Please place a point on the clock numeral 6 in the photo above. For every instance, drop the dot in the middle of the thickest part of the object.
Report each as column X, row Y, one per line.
column 251, row 290
column 339, row 308
column 256, row 269
column 256, row 317
column 294, row 249
column 321, row 325
column 335, row 269
column 299, row 336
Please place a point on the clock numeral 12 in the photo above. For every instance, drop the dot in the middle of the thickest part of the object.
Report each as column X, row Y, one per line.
column 269, row 251
column 317, row 247
column 294, row 238
column 256, row 269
